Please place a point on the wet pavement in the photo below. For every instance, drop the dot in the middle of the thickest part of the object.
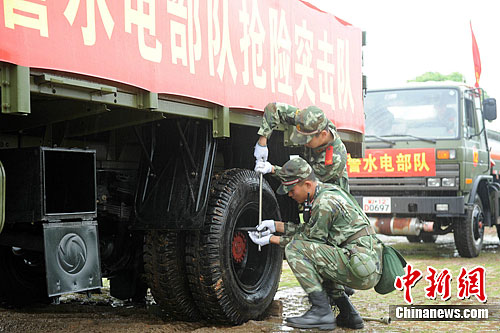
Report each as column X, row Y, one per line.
column 103, row 313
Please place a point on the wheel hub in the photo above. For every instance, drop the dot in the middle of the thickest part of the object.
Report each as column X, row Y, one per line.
column 478, row 218
column 239, row 246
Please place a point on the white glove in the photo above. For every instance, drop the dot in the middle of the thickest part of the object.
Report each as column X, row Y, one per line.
column 260, row 152
column 263, row 167
column 263, row 240
column 267, row 224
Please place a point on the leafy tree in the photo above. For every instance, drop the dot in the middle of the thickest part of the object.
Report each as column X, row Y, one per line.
column 435, row 76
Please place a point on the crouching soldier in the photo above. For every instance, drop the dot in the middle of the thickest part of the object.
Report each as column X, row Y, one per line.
column 335, row 247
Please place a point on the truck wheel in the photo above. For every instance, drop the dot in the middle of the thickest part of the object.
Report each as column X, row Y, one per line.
column 428, row 237
column 413, row 239
column 231, row 280
column 469, row 232
column 164, row 266
column 22, row 277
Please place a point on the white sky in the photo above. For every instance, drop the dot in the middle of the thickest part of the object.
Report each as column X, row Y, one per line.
column 408, row 38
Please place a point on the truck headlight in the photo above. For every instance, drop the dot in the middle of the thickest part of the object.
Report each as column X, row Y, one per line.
column 446, row 154
column 433, row 182
column 448, row 182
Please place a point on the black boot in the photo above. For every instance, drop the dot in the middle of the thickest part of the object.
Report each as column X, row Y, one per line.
column 348, row 316
column 348, row 291
column 320, row 314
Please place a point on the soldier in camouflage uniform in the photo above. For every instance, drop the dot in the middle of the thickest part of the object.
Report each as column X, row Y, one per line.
column 325, row 151
column 336, row 246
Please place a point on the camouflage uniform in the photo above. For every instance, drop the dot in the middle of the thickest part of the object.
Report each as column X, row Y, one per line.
column 328, row 161
column 314, row 249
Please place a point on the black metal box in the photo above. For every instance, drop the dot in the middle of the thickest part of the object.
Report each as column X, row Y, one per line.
column 49, row 184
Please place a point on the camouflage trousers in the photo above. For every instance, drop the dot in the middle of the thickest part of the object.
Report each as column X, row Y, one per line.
column 320, row 267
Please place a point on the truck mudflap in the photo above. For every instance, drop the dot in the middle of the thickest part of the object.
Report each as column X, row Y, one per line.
column 426, row 206
column 71, row 257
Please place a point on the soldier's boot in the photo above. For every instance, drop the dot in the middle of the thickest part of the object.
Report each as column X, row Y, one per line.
column 320, row 314
column 348, row 291
column 348, row 316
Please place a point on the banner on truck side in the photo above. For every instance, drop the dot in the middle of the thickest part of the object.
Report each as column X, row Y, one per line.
column 238, row 53
column 414, row 162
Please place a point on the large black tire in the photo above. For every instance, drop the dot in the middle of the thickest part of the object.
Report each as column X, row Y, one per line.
column 469, row 232
column 22, row 277
column 230, row 279
column 428, row 237
column 164, row 257
column 413, row 239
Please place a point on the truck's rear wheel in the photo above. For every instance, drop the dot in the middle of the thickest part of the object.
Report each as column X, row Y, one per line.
column 22, row 276
column 425, row 237
column 231, row 280
column 413, row 239
column 469, row 232
column 164, row 254
column 428, row 237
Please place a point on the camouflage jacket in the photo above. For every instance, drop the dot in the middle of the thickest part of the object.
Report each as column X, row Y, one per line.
column 328, row 161
column 335, row 216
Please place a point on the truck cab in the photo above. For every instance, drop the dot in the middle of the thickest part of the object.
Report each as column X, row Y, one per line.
column 428, row 168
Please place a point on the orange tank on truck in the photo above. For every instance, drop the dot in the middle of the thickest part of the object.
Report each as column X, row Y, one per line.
column 429, row 168
column 126, row 144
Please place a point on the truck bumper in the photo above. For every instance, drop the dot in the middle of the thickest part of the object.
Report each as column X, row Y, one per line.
column 425, row 206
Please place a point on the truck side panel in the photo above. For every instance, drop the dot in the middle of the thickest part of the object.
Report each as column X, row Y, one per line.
column 265, row 52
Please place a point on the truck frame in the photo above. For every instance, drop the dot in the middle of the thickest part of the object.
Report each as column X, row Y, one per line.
column 126, row 145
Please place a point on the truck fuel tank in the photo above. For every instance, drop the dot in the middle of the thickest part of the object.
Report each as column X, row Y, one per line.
column 400, row 226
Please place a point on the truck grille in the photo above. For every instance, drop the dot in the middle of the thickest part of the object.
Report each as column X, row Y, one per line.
column 405, row 185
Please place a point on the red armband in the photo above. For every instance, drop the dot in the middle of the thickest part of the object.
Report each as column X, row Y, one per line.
column 329, row 155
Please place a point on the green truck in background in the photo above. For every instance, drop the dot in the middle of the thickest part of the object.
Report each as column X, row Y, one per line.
column 126, row 145
column 429, row 167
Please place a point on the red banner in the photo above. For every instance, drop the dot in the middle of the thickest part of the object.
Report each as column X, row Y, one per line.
column 417, row 162
column 476, row 57
column 241, row 54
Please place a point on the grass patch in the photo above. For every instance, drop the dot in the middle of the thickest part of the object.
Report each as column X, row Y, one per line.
column 440, row 256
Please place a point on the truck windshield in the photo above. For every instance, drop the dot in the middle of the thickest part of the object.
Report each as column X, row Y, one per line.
column 416, row 113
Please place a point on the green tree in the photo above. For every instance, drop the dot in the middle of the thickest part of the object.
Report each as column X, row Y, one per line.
column 435, row 76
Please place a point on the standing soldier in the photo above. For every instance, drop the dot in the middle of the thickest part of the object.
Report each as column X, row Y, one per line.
column 336, row 246
column 325, row 151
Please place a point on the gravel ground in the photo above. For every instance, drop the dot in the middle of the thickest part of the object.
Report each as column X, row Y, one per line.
column 102, row 313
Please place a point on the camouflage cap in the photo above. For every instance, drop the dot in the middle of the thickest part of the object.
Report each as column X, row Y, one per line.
column 310, row 121
column 292, row 173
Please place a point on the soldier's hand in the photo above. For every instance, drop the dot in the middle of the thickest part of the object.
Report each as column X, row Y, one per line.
column 267, row 224
column 263, row 167
column 263, row 240
column 260, row 152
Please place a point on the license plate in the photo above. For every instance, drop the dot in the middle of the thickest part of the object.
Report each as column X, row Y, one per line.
column 377, row 205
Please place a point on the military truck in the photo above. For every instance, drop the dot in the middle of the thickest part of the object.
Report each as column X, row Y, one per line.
column 428, row 168
column 126, row 144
